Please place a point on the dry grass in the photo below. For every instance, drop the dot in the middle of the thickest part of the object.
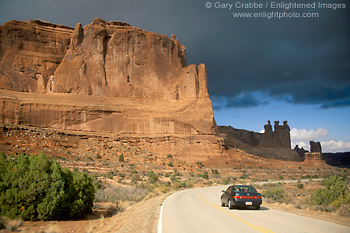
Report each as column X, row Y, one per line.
column 92, row 227
column 52, row 229
column 13, row 224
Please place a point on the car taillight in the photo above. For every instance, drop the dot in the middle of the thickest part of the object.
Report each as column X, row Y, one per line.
column 247, row 197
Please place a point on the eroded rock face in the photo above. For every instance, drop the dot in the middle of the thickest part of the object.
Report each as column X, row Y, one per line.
column 106, row 78
column 30, row 52
column 117, row 60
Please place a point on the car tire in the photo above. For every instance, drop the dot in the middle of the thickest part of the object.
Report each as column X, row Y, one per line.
column 222, row 204
column 257, row 207
column 230, row 206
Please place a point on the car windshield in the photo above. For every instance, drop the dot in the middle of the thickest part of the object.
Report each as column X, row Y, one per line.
column 244, row 189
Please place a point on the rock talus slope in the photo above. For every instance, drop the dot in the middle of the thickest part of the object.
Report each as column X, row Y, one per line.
column 106, row 78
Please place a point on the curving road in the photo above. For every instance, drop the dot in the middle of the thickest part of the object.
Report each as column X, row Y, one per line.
column 199, row 210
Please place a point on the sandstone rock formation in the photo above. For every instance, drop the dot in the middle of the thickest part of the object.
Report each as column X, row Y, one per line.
column 274, row 144
column 279, row 138
column 314, row 158
column 315, row 147
column 301, row 152
column 117, row 60
column 106, row 78
column 115, row 80
column 30, row 52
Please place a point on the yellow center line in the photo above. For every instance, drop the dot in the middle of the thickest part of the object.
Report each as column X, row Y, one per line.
column 266, row 229
column 249, row 224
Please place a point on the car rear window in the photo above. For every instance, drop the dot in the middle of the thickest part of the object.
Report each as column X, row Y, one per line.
column 244, row 189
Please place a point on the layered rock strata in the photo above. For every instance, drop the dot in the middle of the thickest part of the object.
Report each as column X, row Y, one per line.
column 106, row 78
column 30, row 52
column 117, row 60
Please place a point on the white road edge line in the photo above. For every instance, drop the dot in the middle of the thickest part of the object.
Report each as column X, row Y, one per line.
column 160, row 225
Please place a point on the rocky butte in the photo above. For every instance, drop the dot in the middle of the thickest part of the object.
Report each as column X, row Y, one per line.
column 106, row 78
column 114, row 80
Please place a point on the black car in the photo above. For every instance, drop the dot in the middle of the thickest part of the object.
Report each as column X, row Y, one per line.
column 241, row 195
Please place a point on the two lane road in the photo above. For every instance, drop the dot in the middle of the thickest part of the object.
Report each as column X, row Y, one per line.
column 199, row 210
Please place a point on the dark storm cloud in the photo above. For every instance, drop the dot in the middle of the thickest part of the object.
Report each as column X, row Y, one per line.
column 304, row 61
column 244, row 100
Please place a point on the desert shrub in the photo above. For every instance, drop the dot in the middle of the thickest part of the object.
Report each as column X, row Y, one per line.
column 226, row 181
column 214, row 171
column 3, row 221
column 331, row 208
column 174, row 178
column 121, row 158
column 335, row 193
column 152, row 177
column 13, row 224
column 244, row 175
column 275, row 194
column 344, row 211
column 36, row 187
column 204, row 175
column 300, row 185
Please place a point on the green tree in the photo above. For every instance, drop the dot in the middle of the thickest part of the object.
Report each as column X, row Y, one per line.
column 36, row 187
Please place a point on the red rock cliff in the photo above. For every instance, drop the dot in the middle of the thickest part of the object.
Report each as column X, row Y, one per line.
column 30, row 52
column 117, row 60
column 107, row 78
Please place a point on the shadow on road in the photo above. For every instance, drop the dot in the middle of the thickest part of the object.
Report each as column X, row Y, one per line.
column 262, row 208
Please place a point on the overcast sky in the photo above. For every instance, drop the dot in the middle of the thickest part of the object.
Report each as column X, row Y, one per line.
column 263, row 68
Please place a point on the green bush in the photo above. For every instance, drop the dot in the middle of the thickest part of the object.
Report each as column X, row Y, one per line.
column 300, row 185
column 214, row 171
column 335, row 193
column 205, row 175
column 36, row 187
column 275, row 194
column 152, row 177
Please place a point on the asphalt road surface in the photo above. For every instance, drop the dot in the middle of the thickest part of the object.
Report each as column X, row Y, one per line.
column 199, row 210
